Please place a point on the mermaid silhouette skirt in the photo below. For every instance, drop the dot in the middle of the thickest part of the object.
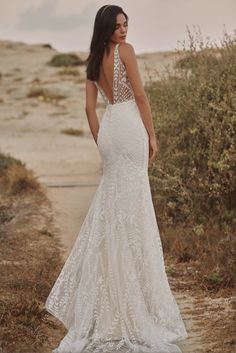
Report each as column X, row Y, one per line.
column 112, row 293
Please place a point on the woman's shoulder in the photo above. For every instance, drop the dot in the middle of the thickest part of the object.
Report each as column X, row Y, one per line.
column 125, row 46
column 126, row 50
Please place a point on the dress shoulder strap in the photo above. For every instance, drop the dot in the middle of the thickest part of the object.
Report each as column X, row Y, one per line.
column 116, row 73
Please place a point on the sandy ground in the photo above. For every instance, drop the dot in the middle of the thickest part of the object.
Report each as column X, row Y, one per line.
column 30, row 129
column 69, row 166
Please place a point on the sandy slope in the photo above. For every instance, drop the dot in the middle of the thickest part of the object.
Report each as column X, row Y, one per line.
column 70, row 166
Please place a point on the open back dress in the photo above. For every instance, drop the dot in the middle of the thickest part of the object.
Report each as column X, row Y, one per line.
column 112, row 293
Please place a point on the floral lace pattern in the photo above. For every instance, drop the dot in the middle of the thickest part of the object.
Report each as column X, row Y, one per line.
column 122, row 89
column 112, row 293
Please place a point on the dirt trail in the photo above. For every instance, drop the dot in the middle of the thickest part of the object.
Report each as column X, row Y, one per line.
column 69, row 166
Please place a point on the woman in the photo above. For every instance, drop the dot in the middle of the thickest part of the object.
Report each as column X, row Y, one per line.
column 113, row 293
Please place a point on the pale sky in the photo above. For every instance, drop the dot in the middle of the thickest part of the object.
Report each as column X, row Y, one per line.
column 154, row 25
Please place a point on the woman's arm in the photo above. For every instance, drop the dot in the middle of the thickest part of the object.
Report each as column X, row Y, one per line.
column 127, row 54
column 90, row 108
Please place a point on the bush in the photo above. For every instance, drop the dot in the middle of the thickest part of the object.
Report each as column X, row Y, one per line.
column 45, row 94
column 15, row 178
column 72, row 132
column 7, row 161
column 194, row 177
column 65, row 60
column 68, row 70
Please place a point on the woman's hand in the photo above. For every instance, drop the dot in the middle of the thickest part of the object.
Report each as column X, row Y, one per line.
column 153, row 148
column 96, row 139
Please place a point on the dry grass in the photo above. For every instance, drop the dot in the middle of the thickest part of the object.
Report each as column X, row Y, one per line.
column 19, row 181
column 16, row 179
column 45, row 95
column 210, row 255
column 73, row 132
column 213, row 315
column 29, row 261
column 71, row 71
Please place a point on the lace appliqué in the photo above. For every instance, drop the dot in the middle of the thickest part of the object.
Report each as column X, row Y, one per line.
column 122, row 89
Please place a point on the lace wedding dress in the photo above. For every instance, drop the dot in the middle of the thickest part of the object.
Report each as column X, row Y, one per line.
column 112, row 293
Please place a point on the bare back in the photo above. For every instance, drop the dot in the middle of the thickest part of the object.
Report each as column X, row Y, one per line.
column 106, row 74
column 113, row 83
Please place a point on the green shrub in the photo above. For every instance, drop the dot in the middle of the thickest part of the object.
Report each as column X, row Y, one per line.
column 62, row 59
column 194, row 177
column 195, row 120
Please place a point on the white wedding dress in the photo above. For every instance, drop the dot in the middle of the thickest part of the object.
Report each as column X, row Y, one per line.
column 112, row 293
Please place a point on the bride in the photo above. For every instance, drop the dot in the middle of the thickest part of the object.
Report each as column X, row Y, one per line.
column 112, row 293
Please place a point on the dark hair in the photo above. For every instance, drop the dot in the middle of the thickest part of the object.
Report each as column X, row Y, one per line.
column 104, row 26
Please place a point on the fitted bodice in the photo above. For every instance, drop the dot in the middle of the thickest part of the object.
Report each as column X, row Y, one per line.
column 122, row 89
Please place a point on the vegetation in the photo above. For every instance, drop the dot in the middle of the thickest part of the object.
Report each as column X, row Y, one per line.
column 72, row 132
column 45, row 94
column 29, row 260
column 65, row 59
column 15, row 178
column 194, row 177
column 70, row 71
column 47, row 45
